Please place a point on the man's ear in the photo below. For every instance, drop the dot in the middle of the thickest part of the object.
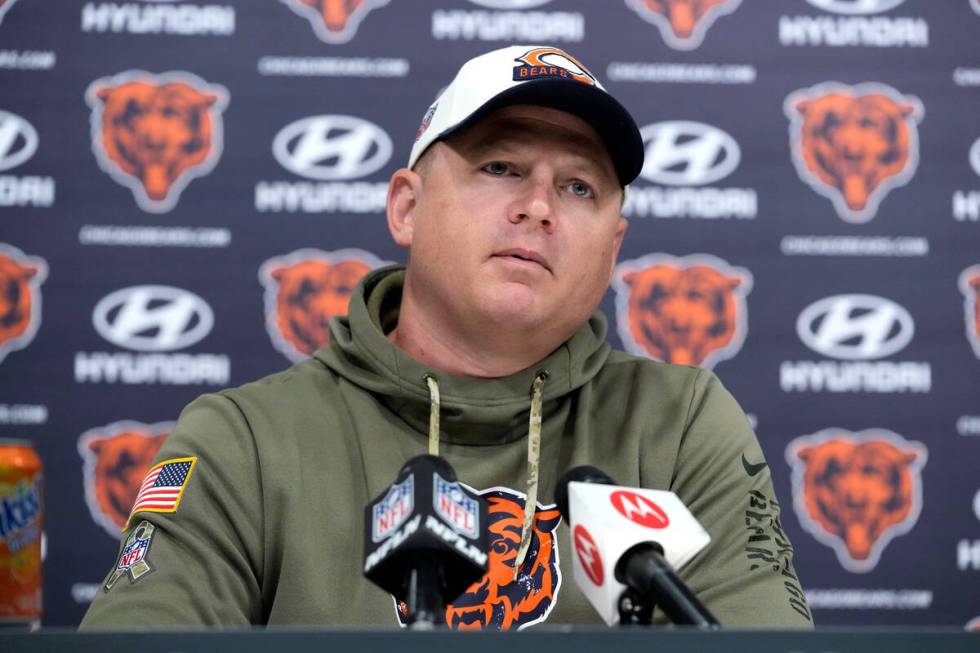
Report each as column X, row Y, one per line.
column 403, row 194
column 617, row 243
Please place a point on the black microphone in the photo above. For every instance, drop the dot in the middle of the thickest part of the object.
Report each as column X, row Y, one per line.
column 631, row 527
column 425, row 539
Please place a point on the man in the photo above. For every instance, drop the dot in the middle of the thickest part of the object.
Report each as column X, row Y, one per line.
column 489, row 347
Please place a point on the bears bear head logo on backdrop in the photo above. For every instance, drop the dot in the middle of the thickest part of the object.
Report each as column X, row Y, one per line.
column 688, row 310
column 115, row 461
column 334, row 21
column 20, row 298
column 682, row 23
column 304, row 290
column 857, row 491
column 154, row 133
column 498, row 601
column 970, row 287
column 854, row 144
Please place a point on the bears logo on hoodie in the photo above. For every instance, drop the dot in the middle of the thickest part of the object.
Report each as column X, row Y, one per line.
column 498, row 601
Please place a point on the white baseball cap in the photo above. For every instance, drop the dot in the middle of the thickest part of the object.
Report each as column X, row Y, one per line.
column 539, row 75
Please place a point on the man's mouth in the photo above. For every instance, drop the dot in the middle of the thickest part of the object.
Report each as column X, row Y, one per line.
column 524, row 255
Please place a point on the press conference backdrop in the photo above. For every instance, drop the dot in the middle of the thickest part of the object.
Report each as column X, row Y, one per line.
column 189, row 189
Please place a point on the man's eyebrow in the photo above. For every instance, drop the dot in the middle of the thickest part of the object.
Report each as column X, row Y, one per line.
column 508, row 135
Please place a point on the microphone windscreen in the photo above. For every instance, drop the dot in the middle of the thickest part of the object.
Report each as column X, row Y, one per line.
column 580, row 474
column 438, row 463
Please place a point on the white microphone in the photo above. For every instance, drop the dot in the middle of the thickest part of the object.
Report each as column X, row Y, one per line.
column 627, row 543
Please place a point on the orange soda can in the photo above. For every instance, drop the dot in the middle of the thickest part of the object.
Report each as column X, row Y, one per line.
column 21, row 515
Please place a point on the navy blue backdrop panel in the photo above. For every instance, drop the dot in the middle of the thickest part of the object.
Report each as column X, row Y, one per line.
column 807, row 225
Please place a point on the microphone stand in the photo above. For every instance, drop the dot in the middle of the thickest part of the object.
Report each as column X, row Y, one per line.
column 651, row 582
column 424, row 588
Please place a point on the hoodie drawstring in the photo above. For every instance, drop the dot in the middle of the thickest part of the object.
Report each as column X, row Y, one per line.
column 433, row 415
column 533, row 455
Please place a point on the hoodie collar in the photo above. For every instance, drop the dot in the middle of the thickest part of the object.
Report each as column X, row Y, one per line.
column 475, row 411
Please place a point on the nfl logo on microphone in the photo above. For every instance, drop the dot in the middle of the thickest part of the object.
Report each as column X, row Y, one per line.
column 456, row 508
column 392, row 511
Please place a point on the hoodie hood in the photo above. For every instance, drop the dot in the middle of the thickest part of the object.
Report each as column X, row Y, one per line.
column 475, row 411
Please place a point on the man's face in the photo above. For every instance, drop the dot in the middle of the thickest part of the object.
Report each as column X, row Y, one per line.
column 516, row 223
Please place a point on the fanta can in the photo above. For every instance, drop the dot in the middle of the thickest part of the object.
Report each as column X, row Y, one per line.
column 21, row 515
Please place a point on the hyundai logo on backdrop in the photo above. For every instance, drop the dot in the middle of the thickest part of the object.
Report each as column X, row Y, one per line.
column 688, row 153
column 855, row 7
column 968, row 551
column 151, row 320
column 510, row 4
column 966, row 203
column 857, row 329
column 18, row 143
column 18, row 140
column 689, row 156
column 333, row 151
column 508, row 21
column 5, row 7
column 856, row 24
column 332, row 147
column 158, row 17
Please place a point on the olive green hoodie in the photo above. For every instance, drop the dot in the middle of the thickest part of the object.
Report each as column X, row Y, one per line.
column 269, row 526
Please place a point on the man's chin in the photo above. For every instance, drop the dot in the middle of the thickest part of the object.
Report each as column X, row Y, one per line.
column 514, row 307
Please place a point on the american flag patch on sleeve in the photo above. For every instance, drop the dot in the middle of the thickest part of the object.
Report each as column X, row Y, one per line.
column 163, row 486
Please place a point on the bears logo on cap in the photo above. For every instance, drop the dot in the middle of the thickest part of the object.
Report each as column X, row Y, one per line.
column 688, row 310
column 115, row 459
column 498, row 601
column 334, row 21
column 970, row 287
column 856, row 491
column 154, row 133
column 304, row 290
column 854, row 144
column 682, row 23
column 20, row 297
column 551, row 63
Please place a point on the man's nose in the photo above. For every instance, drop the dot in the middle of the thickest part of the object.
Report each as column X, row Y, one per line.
column 535, row 204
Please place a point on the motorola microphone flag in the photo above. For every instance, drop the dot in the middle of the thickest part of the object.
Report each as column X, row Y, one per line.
column 606, row 520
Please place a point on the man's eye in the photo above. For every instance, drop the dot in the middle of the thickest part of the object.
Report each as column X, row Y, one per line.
column 496, row 168
column 580, row 189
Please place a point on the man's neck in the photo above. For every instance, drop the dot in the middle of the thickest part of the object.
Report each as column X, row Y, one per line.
column 488, row 351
